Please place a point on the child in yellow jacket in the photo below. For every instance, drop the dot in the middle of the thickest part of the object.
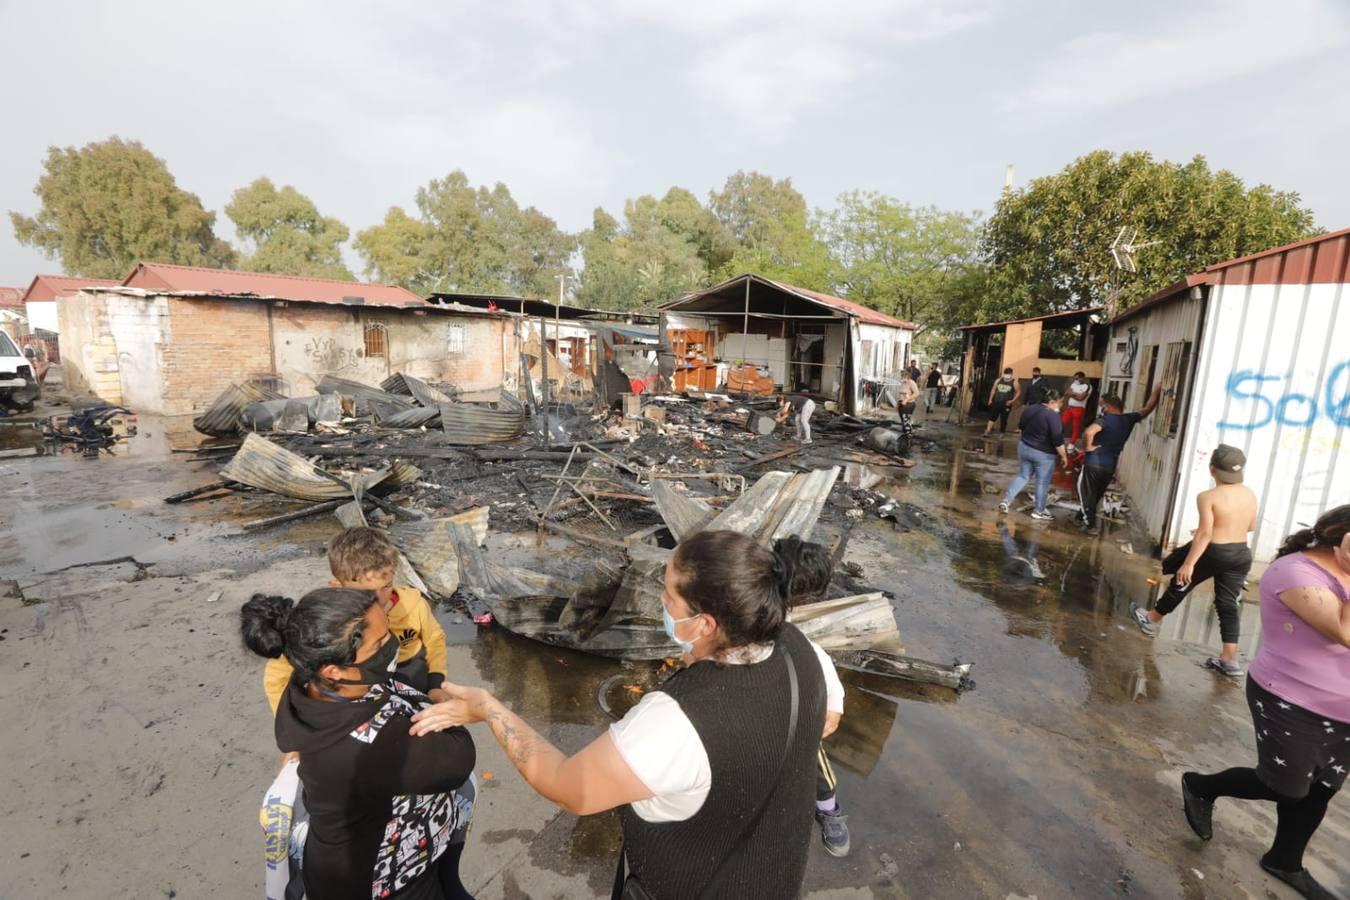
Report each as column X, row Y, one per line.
column 365, row 558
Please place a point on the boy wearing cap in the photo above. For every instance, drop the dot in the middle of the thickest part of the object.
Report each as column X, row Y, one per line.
column 1219, row 551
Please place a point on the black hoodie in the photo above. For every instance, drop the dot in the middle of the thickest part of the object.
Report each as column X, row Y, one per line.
column 380, row 801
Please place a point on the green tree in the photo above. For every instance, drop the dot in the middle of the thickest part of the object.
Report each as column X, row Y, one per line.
column 111, row 204
column 287, row 233
column 664, row 248
column 1049, row 244
column 774, row 233
column 467, row 239
column 905, row 261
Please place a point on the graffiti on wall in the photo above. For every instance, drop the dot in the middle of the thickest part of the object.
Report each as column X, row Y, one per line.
column 325, row 353
column 1267, row 404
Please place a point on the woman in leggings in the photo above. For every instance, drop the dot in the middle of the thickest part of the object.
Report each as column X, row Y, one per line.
column 1298, row 689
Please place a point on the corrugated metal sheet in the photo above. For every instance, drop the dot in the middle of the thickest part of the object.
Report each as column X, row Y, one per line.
column 424, row 393
column 262, row 464
column 223, row 418
column 1148, row 466
column 778, row 505
column 359, row 391
column 395, row 384
column 466, row 423
column 410, row 418
column 1274, row 380
column 234, row 283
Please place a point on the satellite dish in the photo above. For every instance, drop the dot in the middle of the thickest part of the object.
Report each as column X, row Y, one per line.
column 1125, row 246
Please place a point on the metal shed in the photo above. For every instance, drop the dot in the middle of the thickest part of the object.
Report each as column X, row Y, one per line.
column 1255, row 353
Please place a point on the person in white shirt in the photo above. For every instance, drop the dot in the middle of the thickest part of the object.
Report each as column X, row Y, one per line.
column 1075, row 406
column 715, row 772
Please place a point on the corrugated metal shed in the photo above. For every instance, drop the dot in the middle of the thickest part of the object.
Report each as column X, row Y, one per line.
column 1272, row 377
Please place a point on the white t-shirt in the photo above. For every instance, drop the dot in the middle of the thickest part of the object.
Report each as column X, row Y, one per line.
column 1079, row 391
column 663, row 749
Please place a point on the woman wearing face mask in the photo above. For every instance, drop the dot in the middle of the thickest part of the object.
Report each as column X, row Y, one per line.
column 387, row 812
column 715, row 773
column 1298, row 689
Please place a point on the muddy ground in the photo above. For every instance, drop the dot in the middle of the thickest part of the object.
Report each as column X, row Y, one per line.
column 137, row 741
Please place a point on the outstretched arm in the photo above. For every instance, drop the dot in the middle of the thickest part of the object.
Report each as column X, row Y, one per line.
column 593, row 780
column 1152, row 402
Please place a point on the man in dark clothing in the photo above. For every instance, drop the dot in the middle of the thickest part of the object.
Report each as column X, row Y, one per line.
column 1103, row 442
column 1037, row 389
column 915, row 372
column 1042, row 439
column 931, row 388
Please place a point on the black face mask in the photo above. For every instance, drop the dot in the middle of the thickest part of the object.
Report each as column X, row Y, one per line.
column 378, row 668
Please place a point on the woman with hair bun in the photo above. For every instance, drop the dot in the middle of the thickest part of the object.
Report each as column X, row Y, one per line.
column 387, row 812
column 1298, row 689
column 714, row 774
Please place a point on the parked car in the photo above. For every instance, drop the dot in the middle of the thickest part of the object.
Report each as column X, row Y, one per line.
column 18, row 385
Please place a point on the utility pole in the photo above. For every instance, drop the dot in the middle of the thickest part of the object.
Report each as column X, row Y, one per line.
column 557, row 310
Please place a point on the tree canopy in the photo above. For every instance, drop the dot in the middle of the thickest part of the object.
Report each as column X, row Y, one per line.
column 110, row 204
column 467, row 239
column 1049, row 244
column 288, row 234
column 775, row 235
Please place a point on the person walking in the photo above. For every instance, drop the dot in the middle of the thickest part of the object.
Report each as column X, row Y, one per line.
column 931, row 386
column 907, row 399
column 1002, row 397
column 1298, row 692
column 1042, row 439
column 1218, row 550
column 1075, row 406
column 364, row 778
column 914, row 371
column 1102, row 444
column 714, row 773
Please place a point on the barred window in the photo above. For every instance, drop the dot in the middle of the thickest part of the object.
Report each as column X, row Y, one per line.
column 377, row 340
column 454, row 339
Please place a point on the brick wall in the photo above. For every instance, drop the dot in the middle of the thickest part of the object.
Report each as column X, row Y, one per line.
column 208, row 345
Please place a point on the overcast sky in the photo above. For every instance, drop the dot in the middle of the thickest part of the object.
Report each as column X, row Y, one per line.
column 576, row 104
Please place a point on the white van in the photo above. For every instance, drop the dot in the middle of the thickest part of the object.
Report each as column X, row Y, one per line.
column 18, row 383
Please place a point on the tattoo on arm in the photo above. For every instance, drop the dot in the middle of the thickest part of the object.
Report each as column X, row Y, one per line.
column 521, row 742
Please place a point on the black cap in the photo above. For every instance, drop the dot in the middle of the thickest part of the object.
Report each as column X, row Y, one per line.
column 1228, row 463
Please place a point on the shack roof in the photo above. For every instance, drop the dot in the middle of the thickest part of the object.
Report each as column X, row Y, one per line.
column 11, row 297
column 45, row 288
column 536, row 307
column 420, row 308
column 1322, row 259
column 163, row 277
column 1067, row 314
column 732, row 291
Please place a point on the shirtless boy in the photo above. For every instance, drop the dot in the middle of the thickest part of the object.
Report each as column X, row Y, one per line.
column 1218, row 550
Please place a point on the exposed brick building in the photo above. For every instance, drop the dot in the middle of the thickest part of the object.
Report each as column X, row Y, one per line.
column 168, row 339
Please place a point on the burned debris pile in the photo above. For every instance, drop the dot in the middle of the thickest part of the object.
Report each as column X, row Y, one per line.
column 586, row 502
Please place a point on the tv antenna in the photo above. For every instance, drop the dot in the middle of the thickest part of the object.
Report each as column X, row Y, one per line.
column 1124, row 247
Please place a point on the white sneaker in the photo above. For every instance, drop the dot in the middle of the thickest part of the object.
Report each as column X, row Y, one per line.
column 1043, row 516
column 1003, row 507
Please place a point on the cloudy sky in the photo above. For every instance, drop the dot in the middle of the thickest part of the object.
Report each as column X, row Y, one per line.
column 575, row 104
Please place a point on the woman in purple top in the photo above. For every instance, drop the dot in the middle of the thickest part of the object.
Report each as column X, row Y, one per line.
column 1298, row 689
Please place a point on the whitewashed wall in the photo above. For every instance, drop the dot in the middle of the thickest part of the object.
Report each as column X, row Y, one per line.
column 1274, row 380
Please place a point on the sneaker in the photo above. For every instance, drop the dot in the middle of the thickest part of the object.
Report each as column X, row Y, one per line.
column 834, row 832
column 1043, row 515
column 1301, row 881
column 1224, row 667
column 1199, row 811
column 1146, row 624
column 1089, row 530
column 1003, row 507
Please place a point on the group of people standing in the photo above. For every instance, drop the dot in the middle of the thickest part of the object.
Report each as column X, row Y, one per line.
column 1298, row 686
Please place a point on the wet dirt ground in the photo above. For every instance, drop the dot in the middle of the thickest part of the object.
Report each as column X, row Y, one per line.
column 138, row 743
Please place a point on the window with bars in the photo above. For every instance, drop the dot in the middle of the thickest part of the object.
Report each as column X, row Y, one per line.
column 454, row 339
column 377, row 340
column 1176, row 367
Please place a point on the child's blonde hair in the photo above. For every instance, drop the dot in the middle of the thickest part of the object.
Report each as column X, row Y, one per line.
column 356, row 552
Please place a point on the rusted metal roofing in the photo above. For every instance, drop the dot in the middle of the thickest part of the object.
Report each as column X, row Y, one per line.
column 355, row 389
column 470, row 424
column 835, row 304
column 228, row 283
column 264, row 465
column 225, row 415
column 1323, row 259
column 44, row 288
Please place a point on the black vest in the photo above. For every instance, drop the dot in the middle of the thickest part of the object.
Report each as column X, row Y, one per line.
column 741, row 716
